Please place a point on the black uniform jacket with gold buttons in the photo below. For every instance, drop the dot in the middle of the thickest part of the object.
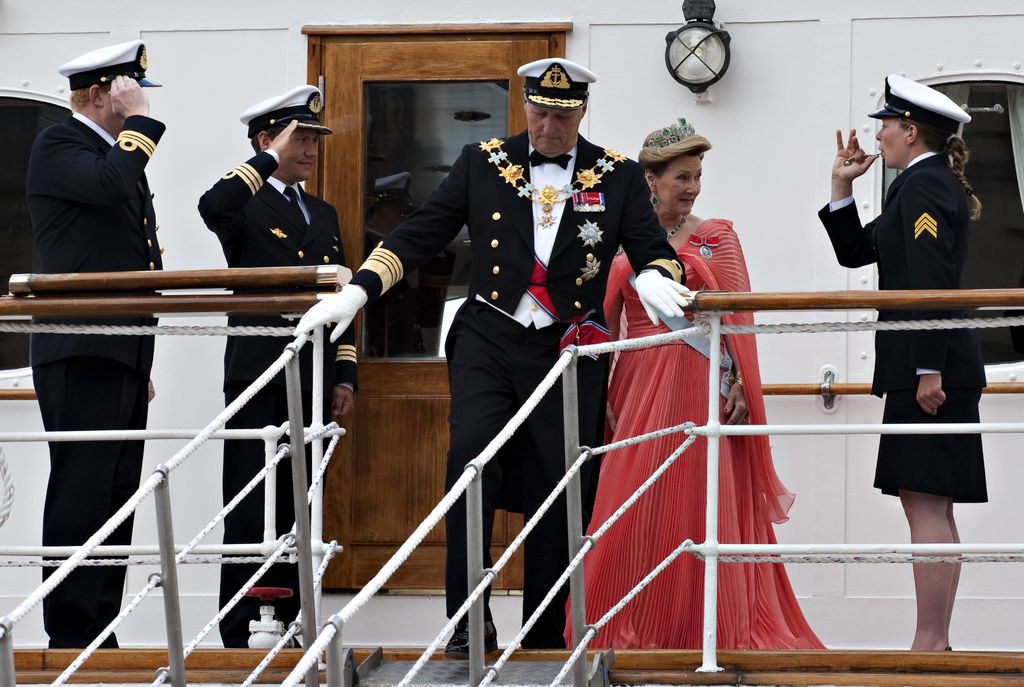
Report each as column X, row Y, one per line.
column 255, row 225
column 92, row 211
column 501, row 230
column 919, row 242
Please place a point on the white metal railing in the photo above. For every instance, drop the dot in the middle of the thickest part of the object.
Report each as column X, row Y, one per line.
column 710, row 550
column 298, row 544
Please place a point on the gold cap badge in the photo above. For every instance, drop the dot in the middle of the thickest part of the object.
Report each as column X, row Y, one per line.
column 554, row 77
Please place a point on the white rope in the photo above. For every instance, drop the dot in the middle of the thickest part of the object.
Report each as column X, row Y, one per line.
column 640, row 438
column 295, row 626
column 154, row 582
column 141, row 330
column 492, row 573
column 888, row 326
column 6, row 489
column 915, row 559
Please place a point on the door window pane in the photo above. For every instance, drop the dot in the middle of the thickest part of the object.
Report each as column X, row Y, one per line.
column 414, row 133
column 21, row 120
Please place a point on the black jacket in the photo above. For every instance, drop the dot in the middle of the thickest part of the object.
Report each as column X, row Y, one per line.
column 254, row 224
column 92, row 211
column 501, row 227
column 919, row 242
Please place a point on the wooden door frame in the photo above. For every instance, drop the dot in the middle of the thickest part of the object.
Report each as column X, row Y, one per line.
column 374, row 373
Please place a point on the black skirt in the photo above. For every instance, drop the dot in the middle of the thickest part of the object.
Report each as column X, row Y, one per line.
column 943, row 464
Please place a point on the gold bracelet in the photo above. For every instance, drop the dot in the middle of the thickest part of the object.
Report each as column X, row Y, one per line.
column 734, row 379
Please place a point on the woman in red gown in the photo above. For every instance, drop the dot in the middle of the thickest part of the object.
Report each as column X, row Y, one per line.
column 658, row 387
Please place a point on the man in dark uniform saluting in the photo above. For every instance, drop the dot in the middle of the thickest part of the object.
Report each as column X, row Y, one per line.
column 92, row 211
column 264, row 218
column 546, row 211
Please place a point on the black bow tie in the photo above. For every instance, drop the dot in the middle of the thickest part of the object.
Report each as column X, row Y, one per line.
column 536, row 158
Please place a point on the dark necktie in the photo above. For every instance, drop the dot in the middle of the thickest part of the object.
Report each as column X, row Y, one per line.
column 293, row 199
column 536, row 158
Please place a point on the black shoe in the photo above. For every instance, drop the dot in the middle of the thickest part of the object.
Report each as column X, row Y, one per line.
column 458, row 645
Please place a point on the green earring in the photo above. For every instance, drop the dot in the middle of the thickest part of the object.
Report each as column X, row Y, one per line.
column 654, row 201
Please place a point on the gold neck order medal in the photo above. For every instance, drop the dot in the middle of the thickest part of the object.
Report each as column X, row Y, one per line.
column 548, row 195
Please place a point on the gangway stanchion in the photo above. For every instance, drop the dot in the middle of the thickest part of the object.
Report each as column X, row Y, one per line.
column 169, row 580
column 574, row 509
column 7, row 654
column 475, row 570
column 302, row 531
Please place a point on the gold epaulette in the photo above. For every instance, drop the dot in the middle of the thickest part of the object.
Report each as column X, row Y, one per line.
column 130, row 141
column 385, row 265
column 248, row 174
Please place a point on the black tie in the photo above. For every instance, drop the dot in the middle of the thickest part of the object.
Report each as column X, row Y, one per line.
column 293, row 199
column 536, row 158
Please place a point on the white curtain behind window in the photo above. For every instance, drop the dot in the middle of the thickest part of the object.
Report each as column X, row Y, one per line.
column 1015, row 110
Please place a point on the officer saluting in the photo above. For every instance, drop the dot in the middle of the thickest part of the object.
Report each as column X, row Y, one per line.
column 919, row 242
column 264, row 218
column 92, row 211
column 546, row 212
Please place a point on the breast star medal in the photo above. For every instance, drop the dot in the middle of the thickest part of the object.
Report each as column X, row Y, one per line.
column 590, row 233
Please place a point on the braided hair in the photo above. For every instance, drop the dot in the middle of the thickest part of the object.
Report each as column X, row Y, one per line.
column 953, row 147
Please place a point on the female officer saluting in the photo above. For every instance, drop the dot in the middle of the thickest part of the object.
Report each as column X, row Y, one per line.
column 919, row 242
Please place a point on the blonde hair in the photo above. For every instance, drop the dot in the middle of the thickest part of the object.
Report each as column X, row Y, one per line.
column 79, row 99
column 655, row 157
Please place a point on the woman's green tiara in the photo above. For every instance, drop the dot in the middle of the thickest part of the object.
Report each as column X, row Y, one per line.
column 671, row 134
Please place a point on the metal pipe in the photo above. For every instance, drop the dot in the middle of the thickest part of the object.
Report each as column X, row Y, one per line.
column 335, row 655
column 316, row 520
column 269, row 491
column 906, row 428
column 574, row 510
column 128, row 435
column 8, row 677
column 475, row 573
column 710, row 658
column 169, row 579
column 133, row 550
column 299, row 482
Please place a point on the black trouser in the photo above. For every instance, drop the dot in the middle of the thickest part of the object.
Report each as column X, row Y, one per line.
column 244, row 525
column 494, row 364
column 89, row 482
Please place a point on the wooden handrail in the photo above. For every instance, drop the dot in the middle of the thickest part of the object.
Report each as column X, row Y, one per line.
column 166, row 304
column 933, row 299
column 865, row 389
column 313, row 277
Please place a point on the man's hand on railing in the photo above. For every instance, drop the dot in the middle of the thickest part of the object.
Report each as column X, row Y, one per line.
column 659, row 294
column 339, row 307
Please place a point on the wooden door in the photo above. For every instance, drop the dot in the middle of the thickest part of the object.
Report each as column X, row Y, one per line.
column 402, row 102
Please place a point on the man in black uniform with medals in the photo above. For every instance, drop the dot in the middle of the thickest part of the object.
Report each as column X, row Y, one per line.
column 546, row 212
column 92, row 211
column 264, row 218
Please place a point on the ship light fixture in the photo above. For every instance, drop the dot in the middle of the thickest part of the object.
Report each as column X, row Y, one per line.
column 697, row 53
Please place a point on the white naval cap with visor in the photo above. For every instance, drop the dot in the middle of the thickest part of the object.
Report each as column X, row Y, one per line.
column 908, row 99
column 302, row 104
column 102, row 65
column 556, row 82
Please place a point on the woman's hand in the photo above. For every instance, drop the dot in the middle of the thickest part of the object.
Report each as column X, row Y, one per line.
column 736, row 406
column 930, row 395
column 851, row 161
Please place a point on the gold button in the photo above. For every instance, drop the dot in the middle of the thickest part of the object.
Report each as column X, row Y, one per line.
column 145, row 221
column 494, row 295
column 329, row 325
column 577, row 304
column 162, row 250
column 579, row 281
column 496, row 216
column 494, row 243
column 495, row 269
column 534, row 307
column 590, row 256
column 326, row 260
column 301, row 254
column 149, row 243
column 152, row 265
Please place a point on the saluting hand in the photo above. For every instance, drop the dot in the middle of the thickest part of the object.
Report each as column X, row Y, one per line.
column 127, row 97
column 929, row 393
column 281, row 141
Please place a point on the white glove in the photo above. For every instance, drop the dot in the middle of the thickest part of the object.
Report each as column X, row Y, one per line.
column 659, row 294
column 339, row 307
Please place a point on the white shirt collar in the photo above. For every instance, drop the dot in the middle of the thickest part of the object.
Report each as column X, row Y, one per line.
column 95, row 127
column 922, row 156
column 281, row 186
column 572, row 154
